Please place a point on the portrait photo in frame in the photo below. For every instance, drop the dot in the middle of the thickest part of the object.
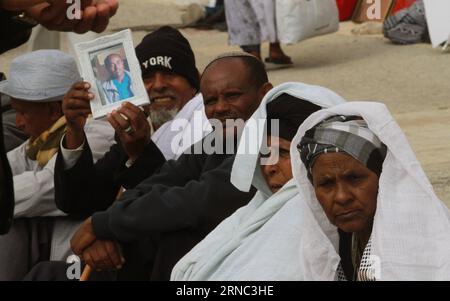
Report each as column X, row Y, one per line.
column 110, row 65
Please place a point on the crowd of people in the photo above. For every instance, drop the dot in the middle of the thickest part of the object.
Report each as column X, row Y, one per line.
column 221, row 177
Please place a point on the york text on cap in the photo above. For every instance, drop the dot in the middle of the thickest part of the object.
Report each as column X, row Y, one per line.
column 163, row 61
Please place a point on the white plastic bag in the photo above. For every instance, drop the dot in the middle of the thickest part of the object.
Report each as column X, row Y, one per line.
column 299, row 20
column 438, row 19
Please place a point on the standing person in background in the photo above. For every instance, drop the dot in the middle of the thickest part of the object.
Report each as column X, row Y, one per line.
column 251, row 22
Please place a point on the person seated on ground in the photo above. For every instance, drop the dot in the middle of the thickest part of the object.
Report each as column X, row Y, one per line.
column 371, row 212
column 172, row 84
column 167, row 214
column 37, row 84
column 226, row 254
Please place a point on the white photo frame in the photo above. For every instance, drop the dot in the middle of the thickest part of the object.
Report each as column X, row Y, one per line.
column 110, row 65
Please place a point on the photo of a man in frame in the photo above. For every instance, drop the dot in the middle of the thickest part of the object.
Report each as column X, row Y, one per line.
column 111, row 69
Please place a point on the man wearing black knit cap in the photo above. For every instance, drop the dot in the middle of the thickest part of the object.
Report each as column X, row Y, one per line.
column 163, row 54
column 171, row 80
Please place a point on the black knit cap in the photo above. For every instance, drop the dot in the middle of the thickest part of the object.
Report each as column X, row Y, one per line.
column 291, row 113
column 167, row 49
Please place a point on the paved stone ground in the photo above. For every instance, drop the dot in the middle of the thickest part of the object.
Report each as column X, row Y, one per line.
column 413, row 81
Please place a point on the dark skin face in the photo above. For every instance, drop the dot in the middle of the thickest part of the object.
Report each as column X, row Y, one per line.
column 167, row 90
column 35, row 118
column 279, row 172
column 347, row 192
column 116, row 67
column 229, row 92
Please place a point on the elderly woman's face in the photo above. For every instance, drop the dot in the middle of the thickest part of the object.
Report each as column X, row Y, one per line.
column 279, row 171
column 346, row 190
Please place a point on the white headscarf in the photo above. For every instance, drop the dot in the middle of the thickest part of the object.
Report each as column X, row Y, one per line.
column 237, row 249
column 411, row 232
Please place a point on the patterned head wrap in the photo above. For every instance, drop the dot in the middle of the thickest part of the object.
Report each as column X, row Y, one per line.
column 346, row 134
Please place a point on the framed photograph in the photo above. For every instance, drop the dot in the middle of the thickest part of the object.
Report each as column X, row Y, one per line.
column 372, row 10
column 110, row 65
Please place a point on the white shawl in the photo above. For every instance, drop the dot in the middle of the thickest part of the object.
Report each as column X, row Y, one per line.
column 238, row 249
column 411, row 230
column 188, row 127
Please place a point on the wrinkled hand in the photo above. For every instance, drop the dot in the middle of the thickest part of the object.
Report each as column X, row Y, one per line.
column 52, row 14
column 83, row 238
column 103, row 255
column 135, row 141
column 76, row 108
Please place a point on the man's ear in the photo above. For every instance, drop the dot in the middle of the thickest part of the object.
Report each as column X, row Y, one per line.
column 265, row 88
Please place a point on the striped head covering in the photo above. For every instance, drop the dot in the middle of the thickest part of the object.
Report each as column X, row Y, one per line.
column 346, row 134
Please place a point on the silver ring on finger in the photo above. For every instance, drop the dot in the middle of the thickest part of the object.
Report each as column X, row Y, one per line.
column 129, row 129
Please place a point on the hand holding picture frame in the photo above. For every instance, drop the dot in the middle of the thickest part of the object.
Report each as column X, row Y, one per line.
column 110, row 65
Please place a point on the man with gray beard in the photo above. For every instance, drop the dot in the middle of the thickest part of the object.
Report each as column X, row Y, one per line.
column 172, row 82
column 158, row 118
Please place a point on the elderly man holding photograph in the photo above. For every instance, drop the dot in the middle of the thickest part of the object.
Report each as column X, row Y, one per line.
column 140, row 151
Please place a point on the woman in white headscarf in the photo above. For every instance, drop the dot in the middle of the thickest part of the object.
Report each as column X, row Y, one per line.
column 370, row 211
column 249, row 245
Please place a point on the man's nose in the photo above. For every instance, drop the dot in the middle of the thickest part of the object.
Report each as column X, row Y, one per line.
column 221, row 107
column 271, row 168
column 158, row 83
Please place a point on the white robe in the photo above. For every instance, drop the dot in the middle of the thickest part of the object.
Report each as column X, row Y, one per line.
column 34, row 187
column 251, row 22
column 410, row 239
column 237, row 249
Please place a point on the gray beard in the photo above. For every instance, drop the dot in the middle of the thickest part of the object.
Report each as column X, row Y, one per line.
column 162, row 116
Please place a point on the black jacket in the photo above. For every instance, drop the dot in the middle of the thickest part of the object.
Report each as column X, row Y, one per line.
column 12, row 33
column 194, row 191
column 6, row 188
column 166, row 215
column 87, row 187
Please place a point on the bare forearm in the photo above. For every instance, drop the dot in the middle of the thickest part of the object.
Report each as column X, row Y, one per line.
column 74, row 139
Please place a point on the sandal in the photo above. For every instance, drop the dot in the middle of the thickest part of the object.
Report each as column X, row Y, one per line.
column 279, row 61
